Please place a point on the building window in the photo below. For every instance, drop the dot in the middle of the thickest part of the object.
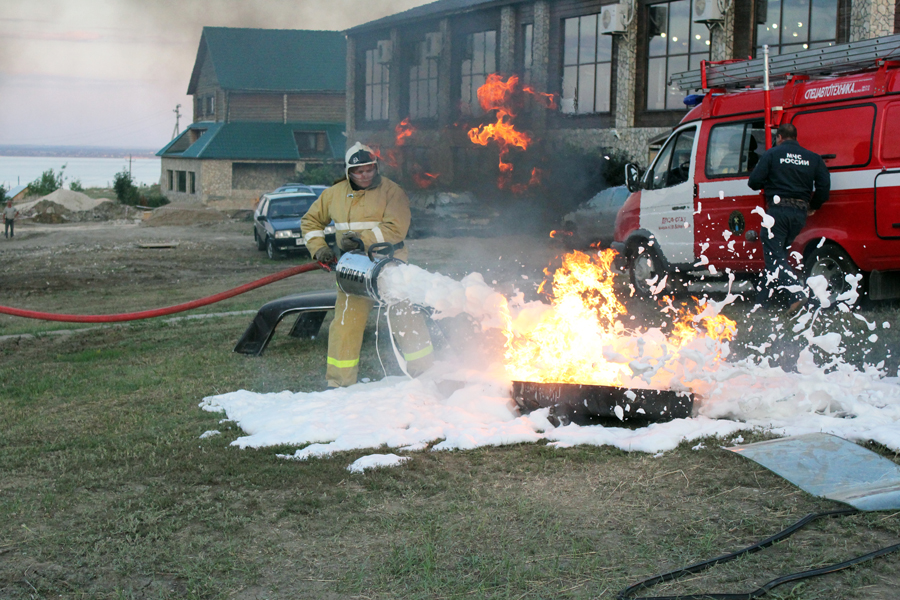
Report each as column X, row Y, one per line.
column 181, row 176
column 170, row 176
column 210, row 105
column 528, row 53
column 480, row 61
column 423, row 84
column 191, row 182
column 378, row 77
column 587, row 67
column 794, row 25
column 675, row 44
column 311, row 142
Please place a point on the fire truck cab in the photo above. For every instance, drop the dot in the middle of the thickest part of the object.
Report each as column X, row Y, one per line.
column 692, row 212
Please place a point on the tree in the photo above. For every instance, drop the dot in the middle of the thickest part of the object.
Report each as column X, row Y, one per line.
column 75, row 185
column 126, row 191
column 48, row 182
column 2, row 195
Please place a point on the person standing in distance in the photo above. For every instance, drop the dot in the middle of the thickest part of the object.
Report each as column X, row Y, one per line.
column 9, row 219
column 368, row 207
column 796, row 183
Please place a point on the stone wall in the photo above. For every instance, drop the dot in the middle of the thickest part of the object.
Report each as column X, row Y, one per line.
column 633, row 142
column 871, row 18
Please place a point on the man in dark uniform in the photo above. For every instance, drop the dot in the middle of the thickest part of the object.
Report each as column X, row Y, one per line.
column 796, row 183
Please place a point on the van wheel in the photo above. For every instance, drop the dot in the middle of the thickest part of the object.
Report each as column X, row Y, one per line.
column 831, row 262
column 260, row 243
column 272, row 252
column 645, row 266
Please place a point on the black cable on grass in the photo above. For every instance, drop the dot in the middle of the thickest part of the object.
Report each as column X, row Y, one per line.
column 626, row 594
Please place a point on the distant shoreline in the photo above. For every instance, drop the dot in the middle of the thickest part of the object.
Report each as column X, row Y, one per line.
column 75, row 151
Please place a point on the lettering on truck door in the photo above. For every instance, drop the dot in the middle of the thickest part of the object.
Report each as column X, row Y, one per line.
column 667, row 201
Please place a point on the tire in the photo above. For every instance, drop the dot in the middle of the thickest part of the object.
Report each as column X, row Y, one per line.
column 833, row 263
column 260, row 243
column 272, row 252
column 645, row 264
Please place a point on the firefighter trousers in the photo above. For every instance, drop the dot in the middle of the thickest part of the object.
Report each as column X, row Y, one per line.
column 345, row 338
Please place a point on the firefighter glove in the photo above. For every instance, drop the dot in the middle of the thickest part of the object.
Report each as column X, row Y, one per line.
column 324, row 255
column 350, row 241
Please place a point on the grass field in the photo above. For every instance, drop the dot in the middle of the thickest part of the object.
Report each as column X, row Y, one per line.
column 107, row 490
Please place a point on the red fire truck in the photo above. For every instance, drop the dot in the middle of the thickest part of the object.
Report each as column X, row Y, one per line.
column 693, row 213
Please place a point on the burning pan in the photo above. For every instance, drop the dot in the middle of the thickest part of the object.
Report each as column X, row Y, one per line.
column 583, row 404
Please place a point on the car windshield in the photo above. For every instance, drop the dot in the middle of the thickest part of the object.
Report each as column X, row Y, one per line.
column 290, row 207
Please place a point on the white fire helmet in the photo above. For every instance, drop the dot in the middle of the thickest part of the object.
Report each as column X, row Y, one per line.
column 357, row 156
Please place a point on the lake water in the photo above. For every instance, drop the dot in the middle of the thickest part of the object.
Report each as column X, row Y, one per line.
column 92, row 172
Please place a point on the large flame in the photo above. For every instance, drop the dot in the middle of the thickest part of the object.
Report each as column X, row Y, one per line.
column 580, row 337
column 506, row 98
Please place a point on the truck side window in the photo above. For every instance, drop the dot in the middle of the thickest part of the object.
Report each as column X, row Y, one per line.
column 673, row 164
column 734, row 148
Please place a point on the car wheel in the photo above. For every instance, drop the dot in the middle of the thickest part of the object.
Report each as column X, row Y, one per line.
column 645, row 270
column 272, row 252
column 260, row 243
column 831, row 262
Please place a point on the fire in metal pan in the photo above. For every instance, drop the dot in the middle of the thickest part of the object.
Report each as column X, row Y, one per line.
column 585, row 404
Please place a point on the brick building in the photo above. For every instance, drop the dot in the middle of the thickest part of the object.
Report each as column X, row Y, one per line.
column 267, row 103
column 426, row 63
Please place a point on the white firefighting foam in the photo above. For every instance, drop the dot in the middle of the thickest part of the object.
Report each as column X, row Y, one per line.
column 411, row 415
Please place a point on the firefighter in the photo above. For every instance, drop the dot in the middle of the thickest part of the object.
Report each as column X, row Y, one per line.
column 796, row 184
column 366, row 207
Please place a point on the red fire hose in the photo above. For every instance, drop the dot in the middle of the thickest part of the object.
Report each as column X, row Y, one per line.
column 158, row 312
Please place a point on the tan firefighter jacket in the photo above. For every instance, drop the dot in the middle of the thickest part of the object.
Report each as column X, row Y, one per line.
column 377, row 214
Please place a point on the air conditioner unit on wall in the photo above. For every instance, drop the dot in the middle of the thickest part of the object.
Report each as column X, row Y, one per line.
column 385, row 52
column 612, row 19
column 707, row 11
column 434, row 44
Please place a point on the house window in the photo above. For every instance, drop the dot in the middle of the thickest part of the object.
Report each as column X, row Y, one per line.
column 181, row 177
column 528, row 53
column 211, row 105
column 794, row 25
column 198, row 106
column 423, row 84
column 191, row 182
column 675, row 44
column 311, row 142
column 587, row 67
column 378, row 78
column 480, row 61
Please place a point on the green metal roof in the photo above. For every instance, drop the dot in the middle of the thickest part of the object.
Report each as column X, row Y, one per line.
column 282, row 60
column 253, row 141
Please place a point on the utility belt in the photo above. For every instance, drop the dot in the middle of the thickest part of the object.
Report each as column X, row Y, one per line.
column 791, row 203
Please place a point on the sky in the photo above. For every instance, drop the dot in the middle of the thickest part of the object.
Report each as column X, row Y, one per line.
column 110, row 72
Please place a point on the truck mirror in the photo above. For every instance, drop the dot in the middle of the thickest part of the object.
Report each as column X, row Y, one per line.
column 632, row 175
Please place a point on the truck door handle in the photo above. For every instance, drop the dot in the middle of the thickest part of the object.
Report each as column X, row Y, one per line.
column 679, row 208
column 828, row 156
column 896, row 225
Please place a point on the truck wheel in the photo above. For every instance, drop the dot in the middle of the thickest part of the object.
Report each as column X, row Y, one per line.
column 645, row 265
column 272, row 252
column 260, row 243
column 831, row 262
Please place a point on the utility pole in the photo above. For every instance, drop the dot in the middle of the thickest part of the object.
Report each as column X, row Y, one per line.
column 177, row 119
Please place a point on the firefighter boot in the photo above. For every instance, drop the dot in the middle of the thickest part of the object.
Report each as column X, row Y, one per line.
column 345, row 339
column 412, row 338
